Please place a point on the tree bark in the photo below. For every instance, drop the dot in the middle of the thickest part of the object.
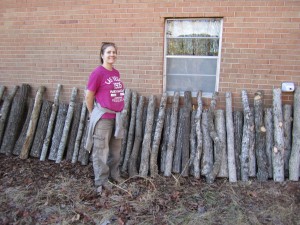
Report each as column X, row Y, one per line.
column 33, row 123
column 15, row 120
column 132, row 166
column 269, row 139
column 246, row 138
column 230, row 139
column 5, row 110
column 58, row 130
column 51, row 124
column 278, row 150
column 130, row 135
column 193, row 147
column 81, row 127
column 287, row 127
column 157, row 135
column 84, row 155
column 73, row 131
column 252, row 157
column 146, row 145
column 2, row 89
column 127, row 103
column 295, row 153
column 21, row 139
column 176, row 168
column 41, row 129
column 208, row 156
column 238, row 134
column 186, row 133
column 221, row 132
column 260, row 138
column 172, row 136
column 66, row 129
column 198, row 142
column 165, row 138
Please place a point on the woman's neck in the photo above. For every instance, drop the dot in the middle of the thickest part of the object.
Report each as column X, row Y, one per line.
column 107, row 66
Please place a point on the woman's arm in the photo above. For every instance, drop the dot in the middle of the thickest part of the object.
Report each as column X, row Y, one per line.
column 89, row 99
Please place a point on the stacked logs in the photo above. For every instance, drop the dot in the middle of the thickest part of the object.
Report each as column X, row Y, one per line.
column 163, row 138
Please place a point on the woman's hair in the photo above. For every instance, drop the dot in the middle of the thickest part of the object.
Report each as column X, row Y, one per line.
column 105, row 45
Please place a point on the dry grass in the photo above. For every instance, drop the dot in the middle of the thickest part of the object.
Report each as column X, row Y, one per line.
column 33, row 192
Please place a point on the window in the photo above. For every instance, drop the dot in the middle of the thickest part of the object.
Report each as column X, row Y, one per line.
column 192, row 55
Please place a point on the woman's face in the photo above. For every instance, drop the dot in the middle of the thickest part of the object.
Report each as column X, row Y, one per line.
column 110, row 55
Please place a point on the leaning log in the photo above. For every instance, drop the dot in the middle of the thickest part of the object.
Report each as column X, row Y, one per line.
column 132, row 166
column 198, row 137
column 41, row 129
column 146, row 145
column 207, row 160
column 260, row 138
column 193, row 145
column 58, row 130
column 126, row 115
column 2, row 89
column 73, row 131
column 84, row 155
column 252, row 157
column 176, row 167
column 5, row 110
column 51, row 124
column 165, row 138
column 15, row 120
column 278, row 150
column 67, row 125
column 21, row 139
column 33, row 123
column 230, row 139
column 295, row 153
column 238, row 135
column 157, row 136
column 130, row 135
column 269, row 139
column 172, row 136
column 80, row 132
column 187, row 108
column 246, row 138
column 287, row 128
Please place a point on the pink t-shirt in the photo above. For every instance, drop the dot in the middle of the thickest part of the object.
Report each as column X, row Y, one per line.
column 108, row 88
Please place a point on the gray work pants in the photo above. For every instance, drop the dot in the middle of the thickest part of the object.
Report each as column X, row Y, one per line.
column 106, row 152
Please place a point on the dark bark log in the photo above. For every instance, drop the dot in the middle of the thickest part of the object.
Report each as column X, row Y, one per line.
column 252, row 157
column 33, row 123
column 2, row 90
column 199, row 148
column 58, row 130
column 278, row 150
column 5, row 110
column 260, row 138
column 41, row 130
column 186, row 133
column 15, row 120
column 165, row 138
column 176, row 167
column 146, row 145
column 21, row 139
column 84, row 155
column 172, row 136
column 193, row 146
column 157, row 136
column 127, row 103
column 73, row 131
column 51, row 124
column 238, row 134
column 246, row 138
column 287, row 127
column 269, row 139
column 80, row 132
column 295, row 153
column 130, row 135
column 230, row 139
column 66, row 129
column 132, row 166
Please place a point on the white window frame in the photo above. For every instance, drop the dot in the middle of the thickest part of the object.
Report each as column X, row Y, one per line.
column 194, row 94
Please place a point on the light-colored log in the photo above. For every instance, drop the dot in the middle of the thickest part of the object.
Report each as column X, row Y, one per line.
column 269, row 139
column 208, row 156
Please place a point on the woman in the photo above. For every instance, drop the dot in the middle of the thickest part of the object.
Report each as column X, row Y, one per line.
column 104, row 101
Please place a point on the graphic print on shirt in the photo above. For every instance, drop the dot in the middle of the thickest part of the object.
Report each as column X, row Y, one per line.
column 117, row 93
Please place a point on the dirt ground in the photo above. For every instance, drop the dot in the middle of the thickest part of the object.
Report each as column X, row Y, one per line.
column 35, row 192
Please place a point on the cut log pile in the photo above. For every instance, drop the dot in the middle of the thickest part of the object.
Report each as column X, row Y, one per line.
column 160, row 138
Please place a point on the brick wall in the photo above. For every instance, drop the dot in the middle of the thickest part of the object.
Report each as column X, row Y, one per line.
column 45, row 42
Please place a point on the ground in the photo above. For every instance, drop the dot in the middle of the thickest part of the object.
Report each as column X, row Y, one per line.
column 35, row 192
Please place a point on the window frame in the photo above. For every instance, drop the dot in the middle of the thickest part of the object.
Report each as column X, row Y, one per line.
column 194, row 94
